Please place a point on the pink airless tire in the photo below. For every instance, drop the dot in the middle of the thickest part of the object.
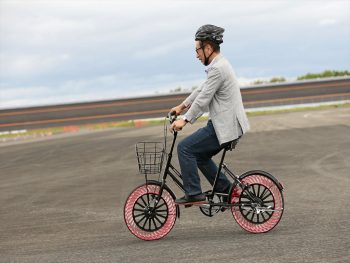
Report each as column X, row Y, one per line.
column 146, row 223
column 268, row 194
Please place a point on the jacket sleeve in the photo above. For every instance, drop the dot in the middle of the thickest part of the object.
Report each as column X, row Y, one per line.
column 188, row 101
column 205, row 95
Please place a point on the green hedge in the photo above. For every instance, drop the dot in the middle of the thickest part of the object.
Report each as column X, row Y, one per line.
column 325, row 74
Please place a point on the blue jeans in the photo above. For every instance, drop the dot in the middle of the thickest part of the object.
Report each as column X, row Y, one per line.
column 195, row 151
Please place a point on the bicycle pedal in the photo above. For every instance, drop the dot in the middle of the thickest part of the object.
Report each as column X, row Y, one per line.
column 223, row 209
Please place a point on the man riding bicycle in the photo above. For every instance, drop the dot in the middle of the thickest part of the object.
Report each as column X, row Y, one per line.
column 220, row 94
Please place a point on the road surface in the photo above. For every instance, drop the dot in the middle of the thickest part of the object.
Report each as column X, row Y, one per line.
column 61, row 198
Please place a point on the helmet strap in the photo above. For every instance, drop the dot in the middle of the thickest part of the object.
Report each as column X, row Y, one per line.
column 206, row 59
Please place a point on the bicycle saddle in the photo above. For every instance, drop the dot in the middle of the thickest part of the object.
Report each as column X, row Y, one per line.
column 229, row 146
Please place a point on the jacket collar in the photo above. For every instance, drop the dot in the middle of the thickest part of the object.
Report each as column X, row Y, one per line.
column 213, row 62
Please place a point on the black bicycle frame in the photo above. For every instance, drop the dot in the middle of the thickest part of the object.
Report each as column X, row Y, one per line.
column 175, row 174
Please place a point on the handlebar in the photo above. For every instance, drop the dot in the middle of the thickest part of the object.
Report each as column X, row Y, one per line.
column 172, row 116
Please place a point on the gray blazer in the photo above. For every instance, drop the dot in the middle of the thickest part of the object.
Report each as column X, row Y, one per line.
column 220, row 94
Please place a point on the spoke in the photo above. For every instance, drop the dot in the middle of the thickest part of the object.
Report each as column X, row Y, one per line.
column 160, row 205
column 140, row 205
column 160, row 222
column 258, row 190
column 262, row 214
column 252, row 217
column 141, row 220
column 266, row 196
column 258, row 218
column 139, row 210
column 154, row 222
column 268, row 201
column 253, row 186
column 161, row 215
column 144, row 202
column 263, row 192
column 245, row 196
column 149, row 224
column 268, row 192
column 147, row 198
column 269, row 213
column 163, row 210
column 144, row 223
column 139, row 215
column 248, row 212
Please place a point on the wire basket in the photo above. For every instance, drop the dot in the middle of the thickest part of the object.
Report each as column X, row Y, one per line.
column 150, row 157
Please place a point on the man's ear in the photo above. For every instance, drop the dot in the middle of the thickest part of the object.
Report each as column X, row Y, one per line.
column 210, row 48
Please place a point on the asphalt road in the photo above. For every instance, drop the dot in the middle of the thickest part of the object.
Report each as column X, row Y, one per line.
column 61, row 198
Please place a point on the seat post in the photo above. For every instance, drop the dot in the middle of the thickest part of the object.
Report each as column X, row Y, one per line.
column 218, row 172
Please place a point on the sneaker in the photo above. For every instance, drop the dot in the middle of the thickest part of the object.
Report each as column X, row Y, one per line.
column 193, row 199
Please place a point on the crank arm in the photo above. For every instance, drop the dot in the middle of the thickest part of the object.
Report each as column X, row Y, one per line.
column 260, row 210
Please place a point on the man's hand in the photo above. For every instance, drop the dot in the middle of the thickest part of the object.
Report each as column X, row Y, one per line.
column 178, row 109
column 178, row 125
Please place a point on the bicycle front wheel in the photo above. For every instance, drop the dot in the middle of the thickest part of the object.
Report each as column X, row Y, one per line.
column 146, row 218
column 259, row 206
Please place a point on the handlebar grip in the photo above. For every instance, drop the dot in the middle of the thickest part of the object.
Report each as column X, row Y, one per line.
column 172, row 116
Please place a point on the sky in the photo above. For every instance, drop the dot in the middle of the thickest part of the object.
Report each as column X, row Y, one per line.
column 54, row 52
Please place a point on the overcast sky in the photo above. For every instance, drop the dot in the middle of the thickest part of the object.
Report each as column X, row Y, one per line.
column 67, row 51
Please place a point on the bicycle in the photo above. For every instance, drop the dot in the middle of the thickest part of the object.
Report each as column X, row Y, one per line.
column 255, row 198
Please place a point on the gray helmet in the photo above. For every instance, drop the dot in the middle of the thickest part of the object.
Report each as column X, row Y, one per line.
column 210, row 32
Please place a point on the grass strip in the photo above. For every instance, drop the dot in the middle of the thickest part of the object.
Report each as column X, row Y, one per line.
column 139, row 123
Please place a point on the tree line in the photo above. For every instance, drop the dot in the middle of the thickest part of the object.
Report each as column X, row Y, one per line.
column 324, row 74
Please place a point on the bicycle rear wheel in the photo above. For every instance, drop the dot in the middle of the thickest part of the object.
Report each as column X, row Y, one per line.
column 147, row 219
column 261, row 209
